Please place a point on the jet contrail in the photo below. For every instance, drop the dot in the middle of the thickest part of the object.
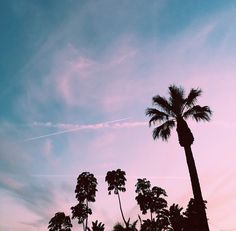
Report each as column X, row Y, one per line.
column 89, row 126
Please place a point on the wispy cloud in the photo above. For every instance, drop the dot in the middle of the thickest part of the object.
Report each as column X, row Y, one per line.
column 76, row 127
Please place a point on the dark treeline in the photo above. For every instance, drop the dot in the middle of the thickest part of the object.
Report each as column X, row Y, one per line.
column 150, row 199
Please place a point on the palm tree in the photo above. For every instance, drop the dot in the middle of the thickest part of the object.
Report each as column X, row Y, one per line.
column 174, row 111
column 116, row 181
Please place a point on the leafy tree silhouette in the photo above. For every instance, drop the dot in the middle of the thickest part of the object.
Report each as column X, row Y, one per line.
column 60, row 222
column 85, row 190
column 176, row 217
column 152, row 199
column 81, row 212
column 173, row 112
column 116, row 181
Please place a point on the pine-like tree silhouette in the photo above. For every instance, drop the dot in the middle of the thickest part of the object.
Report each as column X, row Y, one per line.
column 60, row 222
column 174, row 111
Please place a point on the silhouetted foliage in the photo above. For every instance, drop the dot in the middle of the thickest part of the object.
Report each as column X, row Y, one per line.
column 176, row 218
column 86, row 187
column 118, row 227
column 161, row 224
column 80, row 212
column 174, row 111
column 128, row 227
column 150, row 198
column 116, row 181
column 85, row 190
column 97, row 226
column 60, row 222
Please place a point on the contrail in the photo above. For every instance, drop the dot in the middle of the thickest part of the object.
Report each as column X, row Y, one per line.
column 89, row 126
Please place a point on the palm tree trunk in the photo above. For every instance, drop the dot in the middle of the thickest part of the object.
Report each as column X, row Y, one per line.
column 122, row 214
column 196, row 188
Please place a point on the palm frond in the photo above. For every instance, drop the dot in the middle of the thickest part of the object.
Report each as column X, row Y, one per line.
column 176, row 98
column 198, row 113
column 176, row 93
column 156, row 115
column 163, row 131
column 192, row 97
column 162, row 103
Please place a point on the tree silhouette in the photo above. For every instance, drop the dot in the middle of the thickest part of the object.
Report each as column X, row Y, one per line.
column 173, row 112
column 150, row 198
column 85, row 190
column 81, row 212
column 60, row 222
column 116, row 181
column 176, row 217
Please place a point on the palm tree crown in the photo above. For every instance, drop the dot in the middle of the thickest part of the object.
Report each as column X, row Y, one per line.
column 173, row 111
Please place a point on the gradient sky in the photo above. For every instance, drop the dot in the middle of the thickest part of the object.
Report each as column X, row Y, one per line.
column 75, row 79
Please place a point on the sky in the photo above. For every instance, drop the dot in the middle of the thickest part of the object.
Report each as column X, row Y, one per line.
column 75, row 79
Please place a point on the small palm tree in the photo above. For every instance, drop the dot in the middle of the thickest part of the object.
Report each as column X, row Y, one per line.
column 116, row 181
column 60, row 222
column 173, row 112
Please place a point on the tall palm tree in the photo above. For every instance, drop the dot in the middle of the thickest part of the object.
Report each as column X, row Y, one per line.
column 173, row 112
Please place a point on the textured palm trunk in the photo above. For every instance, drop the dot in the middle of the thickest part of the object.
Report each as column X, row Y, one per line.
column 186, row 140
column 196, row 189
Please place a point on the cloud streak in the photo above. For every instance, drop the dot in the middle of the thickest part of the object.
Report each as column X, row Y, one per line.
column 77, row 127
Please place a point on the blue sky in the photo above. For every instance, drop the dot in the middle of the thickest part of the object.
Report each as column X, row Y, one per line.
column 90, row 68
